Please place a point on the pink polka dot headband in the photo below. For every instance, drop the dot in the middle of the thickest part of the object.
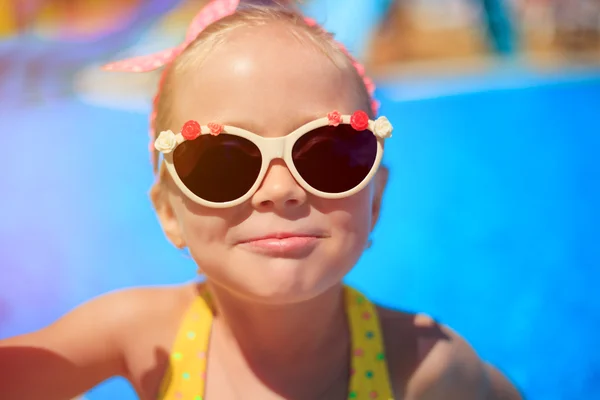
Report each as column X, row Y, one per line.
column 211, row 13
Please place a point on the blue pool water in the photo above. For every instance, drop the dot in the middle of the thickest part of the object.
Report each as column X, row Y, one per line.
column 490, row 223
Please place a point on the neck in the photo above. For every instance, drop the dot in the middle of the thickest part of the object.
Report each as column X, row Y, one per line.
column 306, row 341
column 282, row 331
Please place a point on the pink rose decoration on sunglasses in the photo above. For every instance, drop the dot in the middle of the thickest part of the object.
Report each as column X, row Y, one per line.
column 335, row 118
column 360, row 120
column 191, row 130
column 215, row 129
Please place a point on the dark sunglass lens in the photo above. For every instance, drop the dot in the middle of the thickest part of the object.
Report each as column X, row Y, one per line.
column 218, row 168
column 335, row 159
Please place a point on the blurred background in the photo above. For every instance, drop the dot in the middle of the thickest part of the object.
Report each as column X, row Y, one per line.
column 491, row 221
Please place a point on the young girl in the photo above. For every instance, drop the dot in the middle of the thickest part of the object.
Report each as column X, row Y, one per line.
column 268, row 152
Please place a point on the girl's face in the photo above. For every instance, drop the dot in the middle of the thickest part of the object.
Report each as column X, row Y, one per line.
column 265, row 80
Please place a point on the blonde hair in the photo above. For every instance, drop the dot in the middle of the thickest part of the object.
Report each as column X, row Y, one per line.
column 252, row 15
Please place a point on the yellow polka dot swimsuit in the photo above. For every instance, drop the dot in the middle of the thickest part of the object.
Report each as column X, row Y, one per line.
column 186, row 376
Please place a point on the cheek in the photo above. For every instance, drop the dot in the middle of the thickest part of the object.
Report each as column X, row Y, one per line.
column 349, row 220
column 203, row 227
column 201, row 231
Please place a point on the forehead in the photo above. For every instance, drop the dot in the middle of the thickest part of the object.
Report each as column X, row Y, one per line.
column 266, row 79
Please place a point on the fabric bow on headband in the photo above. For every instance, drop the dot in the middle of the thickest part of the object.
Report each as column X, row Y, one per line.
column 209, row 14
column 212, row 12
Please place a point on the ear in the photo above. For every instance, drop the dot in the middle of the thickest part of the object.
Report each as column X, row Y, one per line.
column 166, row 214
column 380, row 182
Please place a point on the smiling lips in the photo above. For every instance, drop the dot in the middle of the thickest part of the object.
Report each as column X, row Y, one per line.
column 283, row 244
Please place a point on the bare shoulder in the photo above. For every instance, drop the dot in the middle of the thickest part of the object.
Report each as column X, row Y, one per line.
column 150, row 310
column 430, row 361
column 127, row 310
column 140, row 304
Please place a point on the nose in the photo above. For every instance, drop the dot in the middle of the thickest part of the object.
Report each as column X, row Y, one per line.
column 278, row 190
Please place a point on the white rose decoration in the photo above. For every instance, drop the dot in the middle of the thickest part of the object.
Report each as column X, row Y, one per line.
column 383, row 128
column 165, row 142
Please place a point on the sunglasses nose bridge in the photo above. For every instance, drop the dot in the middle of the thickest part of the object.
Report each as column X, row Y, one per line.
column 274, row 148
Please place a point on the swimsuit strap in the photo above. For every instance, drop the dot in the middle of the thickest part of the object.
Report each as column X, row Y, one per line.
column 186, row 375
column 185, row 378
column 369, row 374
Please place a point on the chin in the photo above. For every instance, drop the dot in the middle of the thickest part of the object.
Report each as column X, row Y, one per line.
column 285, row 280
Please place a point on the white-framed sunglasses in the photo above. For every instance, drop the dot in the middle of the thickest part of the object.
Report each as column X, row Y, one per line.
column 222, row 166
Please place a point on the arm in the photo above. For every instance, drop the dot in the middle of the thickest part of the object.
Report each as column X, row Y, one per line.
column 451, row 370
column 499, row 387
column 68, row 357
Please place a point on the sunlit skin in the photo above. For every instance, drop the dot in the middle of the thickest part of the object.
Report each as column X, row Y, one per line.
column 280, row 331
